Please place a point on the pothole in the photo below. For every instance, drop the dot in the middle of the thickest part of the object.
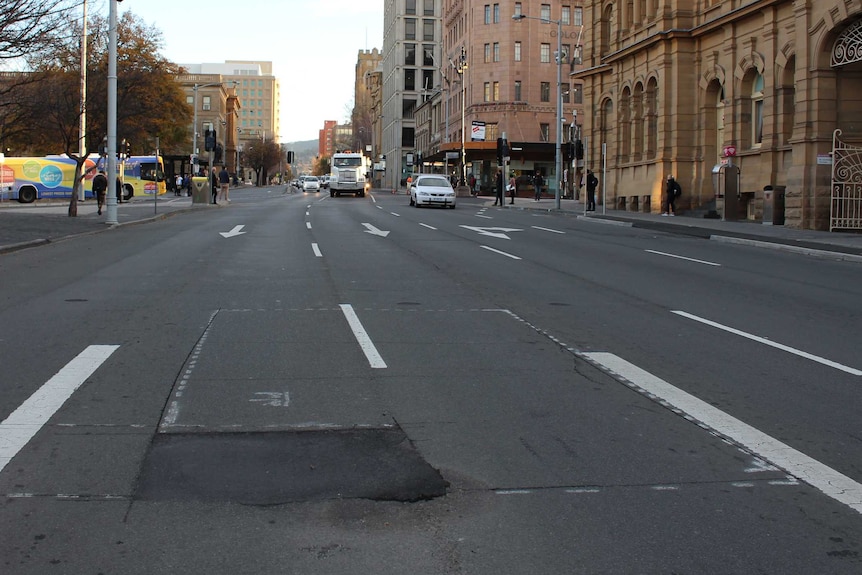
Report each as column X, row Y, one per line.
column 271, row 468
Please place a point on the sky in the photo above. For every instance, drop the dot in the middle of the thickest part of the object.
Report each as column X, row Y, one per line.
column 313, row 45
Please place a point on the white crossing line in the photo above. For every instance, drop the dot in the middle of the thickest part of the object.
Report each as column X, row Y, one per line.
column 362, row 337
column 500, row 252
column 23, row 423
column 308, row 225
column 547, row 230
column 682, row 258
column 764, row 341
column 832, row 483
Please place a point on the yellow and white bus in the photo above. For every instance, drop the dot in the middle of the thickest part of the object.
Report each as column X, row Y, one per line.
column 31, row 179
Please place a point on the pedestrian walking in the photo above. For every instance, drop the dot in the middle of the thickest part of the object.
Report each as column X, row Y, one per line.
column 214, row 185
column 472, row 184
column 538, row 182
column 100, row 189
column 224, row 182
column 512, row 187
column 498, row 198
column 672, row 191
column 592, row 184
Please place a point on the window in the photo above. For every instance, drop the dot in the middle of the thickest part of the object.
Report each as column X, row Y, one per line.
column 487, row 52
column 518, row 8
column 207, row 103
column 427, row 79
column 496, row 91
column 190, row 100
column 407, row 137
column 409, row 79
column 579, row 16
column 487, row 13
column 496, row 51
column 545, row 92
column 410, row 7
column 428, row 55
column 487, row 97
column 566, row 15
column 566, row 93
column 517, row 90
column 545, row 12
column 410, row 54
column 409, row 28
column 757, row 111
column 545, row 55
column 496, row 13
column 428, row 30
column 517, row 51
column 429, row 8
column 544, row 132
column 578, row 94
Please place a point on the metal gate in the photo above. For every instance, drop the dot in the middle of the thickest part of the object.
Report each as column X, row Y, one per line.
column 845, row 211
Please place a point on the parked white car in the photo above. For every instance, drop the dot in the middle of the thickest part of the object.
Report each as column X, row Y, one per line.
column 431, row 190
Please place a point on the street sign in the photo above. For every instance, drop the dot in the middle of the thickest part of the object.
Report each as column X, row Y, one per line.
column 729, row 151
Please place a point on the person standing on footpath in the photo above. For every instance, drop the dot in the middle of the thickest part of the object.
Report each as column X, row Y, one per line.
column 672, row 191
column 513, row 188
column 592, row 184
column 178, row 185
column 100, row 189
column 538, row 182
column 214, row 185
column 498, row 184
column 224, row 182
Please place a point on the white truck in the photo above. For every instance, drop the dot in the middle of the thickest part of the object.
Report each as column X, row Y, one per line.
column 347, row 174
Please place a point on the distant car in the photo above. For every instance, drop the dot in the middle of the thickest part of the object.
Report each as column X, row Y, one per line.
column 431, row 190
column 310, row 184
column 324, row 181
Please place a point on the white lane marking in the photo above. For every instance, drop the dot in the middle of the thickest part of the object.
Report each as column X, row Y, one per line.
column 493, row 232
column 396, row 215
column 764, row 341
column 829, row 481
column 236, row 231
column 316, row 250
column 308, row 225
column 374, row 231
column 23, row 423
column 682, row 258
column 427, row 226
column 547, row 230
column 500, row 252
column 486, row 217
column 361, row 336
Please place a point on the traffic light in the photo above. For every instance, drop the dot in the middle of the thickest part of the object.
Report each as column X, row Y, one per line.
column 502, row 150
column 209, row 140
column 289, row 157
column 579, row 150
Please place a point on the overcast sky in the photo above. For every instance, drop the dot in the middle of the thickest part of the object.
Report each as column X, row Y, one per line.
column 313, row 45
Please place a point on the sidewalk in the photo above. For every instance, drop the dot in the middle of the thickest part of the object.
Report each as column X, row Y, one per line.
column 840, row 245
column 45, row 221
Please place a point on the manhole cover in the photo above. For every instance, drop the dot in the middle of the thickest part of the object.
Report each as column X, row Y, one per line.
column 279, row 467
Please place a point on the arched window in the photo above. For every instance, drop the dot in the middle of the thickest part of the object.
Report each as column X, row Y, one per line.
column 638, row 121
column 626, row 126
column 607, row 29
column 787, row 100
column 652, row 119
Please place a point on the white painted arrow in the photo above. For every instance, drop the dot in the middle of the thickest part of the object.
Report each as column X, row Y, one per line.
column 234, row 232
column 493, row 232
column 372, row 230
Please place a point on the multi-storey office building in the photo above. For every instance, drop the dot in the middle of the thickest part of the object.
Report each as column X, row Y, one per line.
column 410, row 70
column 677, row 86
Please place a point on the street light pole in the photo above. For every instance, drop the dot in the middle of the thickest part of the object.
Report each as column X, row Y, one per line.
column 559, row 127
column 462, row 68
column 111, row 204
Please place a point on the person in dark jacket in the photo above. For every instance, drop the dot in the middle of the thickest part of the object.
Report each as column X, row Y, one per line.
column 100, row 189
column 592, row 184
column 214, row 185
column 672, row 191
column 498, row 199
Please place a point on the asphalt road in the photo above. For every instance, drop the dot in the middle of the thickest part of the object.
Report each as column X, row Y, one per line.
column 348, row 385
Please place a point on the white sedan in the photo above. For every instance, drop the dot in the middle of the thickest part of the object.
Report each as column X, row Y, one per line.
column 310, row 184
column 431, row 190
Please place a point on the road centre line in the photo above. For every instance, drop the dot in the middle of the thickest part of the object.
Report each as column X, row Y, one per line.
column 486, row 217
column 308, row 225
column 427, row 226
column 764, row 341
column 499, row 252
column 362, row 338
column 829, row 481
column 396, row 215
column 547, row 230
column 682, row 258
column 316, row 250
column 23, row 423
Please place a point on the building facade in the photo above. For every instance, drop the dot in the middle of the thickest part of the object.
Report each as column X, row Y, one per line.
column 410, row 72
column 683, row 86
column 363, row 104
column 326, row 139
column 216, row 107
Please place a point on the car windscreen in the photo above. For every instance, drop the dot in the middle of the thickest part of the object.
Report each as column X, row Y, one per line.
column 347, row 162
column 436, row 182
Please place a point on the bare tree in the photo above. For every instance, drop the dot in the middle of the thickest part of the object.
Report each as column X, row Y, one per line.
column 28, row 24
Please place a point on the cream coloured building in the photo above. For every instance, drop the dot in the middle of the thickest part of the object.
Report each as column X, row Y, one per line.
column 670, row 85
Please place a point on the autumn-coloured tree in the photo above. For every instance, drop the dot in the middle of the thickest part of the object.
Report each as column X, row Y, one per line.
column 263, row 157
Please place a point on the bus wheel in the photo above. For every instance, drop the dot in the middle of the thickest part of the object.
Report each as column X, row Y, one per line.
column 27, row 195
column 129, row 192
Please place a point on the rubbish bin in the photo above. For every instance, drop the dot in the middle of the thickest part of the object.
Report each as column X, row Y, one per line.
column 201, row 191
column 773, row 205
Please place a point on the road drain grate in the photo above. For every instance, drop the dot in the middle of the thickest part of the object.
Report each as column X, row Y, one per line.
column 270, row 468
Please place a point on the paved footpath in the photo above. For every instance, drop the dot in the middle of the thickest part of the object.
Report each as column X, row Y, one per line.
column 26, row 225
